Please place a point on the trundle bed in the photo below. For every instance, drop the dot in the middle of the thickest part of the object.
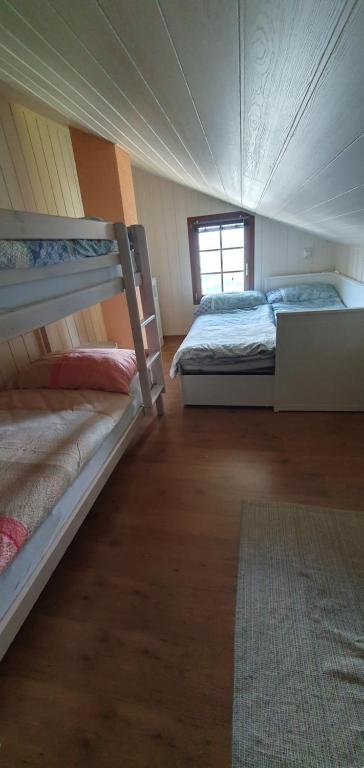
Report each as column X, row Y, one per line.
column 294, row 356
column 59, row 446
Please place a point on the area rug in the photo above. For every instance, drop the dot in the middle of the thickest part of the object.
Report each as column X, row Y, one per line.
column 299, row 642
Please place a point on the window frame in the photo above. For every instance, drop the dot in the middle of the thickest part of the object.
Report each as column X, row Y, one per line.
column 233, row 217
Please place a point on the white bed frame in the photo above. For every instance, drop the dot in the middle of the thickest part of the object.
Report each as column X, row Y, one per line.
column 319, row 358
column 38, row 296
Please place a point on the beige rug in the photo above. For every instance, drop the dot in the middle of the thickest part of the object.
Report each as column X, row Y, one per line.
column 299, row 642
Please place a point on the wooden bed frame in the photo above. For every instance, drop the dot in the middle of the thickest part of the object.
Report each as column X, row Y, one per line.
column 35, row 296
column 319, row 358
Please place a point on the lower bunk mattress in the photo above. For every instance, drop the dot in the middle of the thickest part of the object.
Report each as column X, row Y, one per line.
column 228, row 342
column 52, row 443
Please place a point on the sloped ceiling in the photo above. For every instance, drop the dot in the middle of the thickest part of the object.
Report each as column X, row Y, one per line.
column 260, row 103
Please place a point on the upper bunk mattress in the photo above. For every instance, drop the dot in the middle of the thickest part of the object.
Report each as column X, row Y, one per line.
column 47, row 437
column 24, row 254
column 228, row 342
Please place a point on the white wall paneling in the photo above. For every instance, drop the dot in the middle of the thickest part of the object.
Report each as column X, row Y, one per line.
column 279, row 249
column 256, row 102
column 163, row 208
column 350, row 261
column 38, row 173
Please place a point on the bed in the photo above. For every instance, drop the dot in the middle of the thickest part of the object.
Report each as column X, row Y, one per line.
column 236, row 342
column 45, row 474
column 58, row 447
column 55, row 276
column 310, row 353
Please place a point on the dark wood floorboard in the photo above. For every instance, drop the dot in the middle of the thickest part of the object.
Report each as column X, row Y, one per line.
column 127, row 658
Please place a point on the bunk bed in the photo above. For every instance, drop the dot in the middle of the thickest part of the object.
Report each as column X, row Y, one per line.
column 305, row 359
column 104, row 423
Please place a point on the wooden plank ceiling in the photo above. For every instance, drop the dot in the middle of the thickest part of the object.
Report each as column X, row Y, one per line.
column 258, row 102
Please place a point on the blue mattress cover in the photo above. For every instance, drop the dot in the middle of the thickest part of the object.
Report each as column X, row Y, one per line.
column 22, row 254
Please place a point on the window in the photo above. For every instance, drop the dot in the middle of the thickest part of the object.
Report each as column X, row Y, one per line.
column 222, row 253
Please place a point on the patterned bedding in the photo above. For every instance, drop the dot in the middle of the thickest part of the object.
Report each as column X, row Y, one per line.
column 301, row 306
column 225, row 339
column 46, row 437
column 23, row 254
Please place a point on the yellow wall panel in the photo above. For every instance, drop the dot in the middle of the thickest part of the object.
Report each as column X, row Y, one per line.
column 38, row 150
column 45, row 136
column 31, row 164
column 34, row 345
column 9, row 175
column 16, row 152
column 4, row 195
column 38, row 173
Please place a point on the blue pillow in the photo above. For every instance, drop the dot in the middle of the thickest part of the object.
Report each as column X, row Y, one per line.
column 229, row 302
column 302, row 292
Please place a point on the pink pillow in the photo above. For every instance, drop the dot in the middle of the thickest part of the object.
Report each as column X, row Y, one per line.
column 108, row 369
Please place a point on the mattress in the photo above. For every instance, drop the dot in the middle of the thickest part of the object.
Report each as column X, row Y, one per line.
column 260, row 365
column 24, row 254
column 228, row 342
column 48, row 439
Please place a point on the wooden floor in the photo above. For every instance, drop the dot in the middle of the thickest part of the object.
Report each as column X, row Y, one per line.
column 127, row 658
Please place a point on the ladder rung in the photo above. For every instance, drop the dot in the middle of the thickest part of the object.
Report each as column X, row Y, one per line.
column 152, row 358
column 146, row 320
column 156, row 390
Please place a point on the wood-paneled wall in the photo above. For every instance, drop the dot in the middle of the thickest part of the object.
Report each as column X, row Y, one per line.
column 350, row 260
column 279, row 250
column 38, row 173
column 113, row 200
column 163, row 207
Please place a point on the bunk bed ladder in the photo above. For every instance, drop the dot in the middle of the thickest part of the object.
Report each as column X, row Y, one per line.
column 144, row 329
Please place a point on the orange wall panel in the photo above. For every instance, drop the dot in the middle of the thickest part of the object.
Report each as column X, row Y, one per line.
column 106, row 183
column 127, row 186
column 97, row 175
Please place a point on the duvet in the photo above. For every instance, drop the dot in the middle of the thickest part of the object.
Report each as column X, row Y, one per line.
column 227, row 338
column 46, row 437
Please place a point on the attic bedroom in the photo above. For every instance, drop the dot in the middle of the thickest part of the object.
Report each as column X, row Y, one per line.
column 181, row 383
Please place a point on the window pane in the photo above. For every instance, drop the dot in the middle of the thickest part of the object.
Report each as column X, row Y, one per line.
column 233, row 281
column 233, row 238
column 209, row 240
column 210, row 261
column 211, row 283
column 233, row 259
